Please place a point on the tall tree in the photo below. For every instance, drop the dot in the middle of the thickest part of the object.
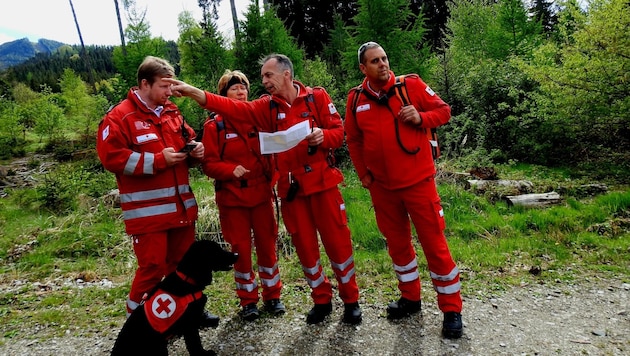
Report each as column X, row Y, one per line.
column 86, row 57
column 120, row 28
column 544, row 12
column 584, row 78
column 264, row 34
column 234, row 19
column 309, row 21
column 392, row 24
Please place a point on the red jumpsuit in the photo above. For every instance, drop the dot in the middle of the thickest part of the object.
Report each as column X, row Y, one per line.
column 318, row 206
column 245, row 204
column 403, row 184
column 159, row 207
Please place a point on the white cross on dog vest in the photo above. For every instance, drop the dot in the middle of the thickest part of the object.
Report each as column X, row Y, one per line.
column 164, row 309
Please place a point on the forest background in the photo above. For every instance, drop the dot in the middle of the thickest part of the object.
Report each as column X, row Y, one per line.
column 538, row 90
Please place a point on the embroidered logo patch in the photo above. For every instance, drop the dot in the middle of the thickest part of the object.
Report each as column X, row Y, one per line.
column 281, row 115
column 142, row 125
column 163, row 306
column 105, row 133
column 146, row 137
column 429, row 91
column 230, row 135
column 364, row 107
column 332, row 108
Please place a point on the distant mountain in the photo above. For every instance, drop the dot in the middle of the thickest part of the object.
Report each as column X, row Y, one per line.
column 18, row 51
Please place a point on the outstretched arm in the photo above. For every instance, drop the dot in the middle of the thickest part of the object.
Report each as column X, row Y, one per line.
column 180, row 89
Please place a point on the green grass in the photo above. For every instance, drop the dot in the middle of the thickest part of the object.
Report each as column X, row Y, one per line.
column 494, row 245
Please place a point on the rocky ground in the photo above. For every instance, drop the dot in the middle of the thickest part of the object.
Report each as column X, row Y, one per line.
column 588, row 318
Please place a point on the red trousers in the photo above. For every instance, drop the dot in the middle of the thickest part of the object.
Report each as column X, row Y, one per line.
column 158, row 254
column 421, row 203
column 237, row 224
column 322, row 212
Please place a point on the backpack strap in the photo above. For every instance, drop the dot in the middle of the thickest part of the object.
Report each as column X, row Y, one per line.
column 402, row 93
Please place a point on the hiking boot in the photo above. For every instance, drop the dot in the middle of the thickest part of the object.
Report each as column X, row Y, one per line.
column 250, row 312
column 318, row 313
column 402, row 308
column 452, row 326
column 209, row 320
column 352, row 314
column 275, row 307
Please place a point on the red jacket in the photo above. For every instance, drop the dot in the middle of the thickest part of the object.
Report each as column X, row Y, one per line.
column 372, row 140
column 271, row 114
column 130, row 141
column 228, row 144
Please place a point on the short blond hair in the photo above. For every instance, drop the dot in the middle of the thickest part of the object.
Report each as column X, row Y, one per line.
column 229, row 78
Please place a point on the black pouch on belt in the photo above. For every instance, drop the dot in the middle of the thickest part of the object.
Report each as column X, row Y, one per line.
column 293, row 188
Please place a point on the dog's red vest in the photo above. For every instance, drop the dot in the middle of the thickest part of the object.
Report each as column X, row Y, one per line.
column 164, row 309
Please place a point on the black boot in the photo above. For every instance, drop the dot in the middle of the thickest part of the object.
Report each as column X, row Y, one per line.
column 209, row 320
column 275, row 307
column 352, row 314
column 452, row 326
column 250, row 312
column 318, row 313
column 402, row 308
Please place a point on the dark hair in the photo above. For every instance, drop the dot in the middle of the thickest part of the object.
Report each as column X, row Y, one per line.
column 283, row 61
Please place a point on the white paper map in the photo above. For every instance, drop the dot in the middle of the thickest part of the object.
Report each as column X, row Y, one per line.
column 281, row 141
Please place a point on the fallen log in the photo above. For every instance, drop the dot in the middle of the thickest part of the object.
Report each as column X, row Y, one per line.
column 520, row 185
column 534, row 200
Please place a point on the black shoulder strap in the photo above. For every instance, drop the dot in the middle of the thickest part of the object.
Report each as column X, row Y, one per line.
column 355, row 99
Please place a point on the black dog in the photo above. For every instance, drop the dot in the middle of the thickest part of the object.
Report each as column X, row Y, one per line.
column 176, row 306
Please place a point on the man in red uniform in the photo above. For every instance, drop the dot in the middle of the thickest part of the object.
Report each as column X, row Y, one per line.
column 141, row 141
column 308, row 181
column 392, row 156
column 243, row 178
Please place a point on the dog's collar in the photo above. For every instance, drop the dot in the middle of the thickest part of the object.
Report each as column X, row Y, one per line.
column 185, row 278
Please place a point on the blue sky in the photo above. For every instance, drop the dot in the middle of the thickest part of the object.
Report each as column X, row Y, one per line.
column 52, row 19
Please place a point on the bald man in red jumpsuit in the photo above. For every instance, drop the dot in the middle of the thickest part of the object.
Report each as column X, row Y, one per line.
column 392, row 156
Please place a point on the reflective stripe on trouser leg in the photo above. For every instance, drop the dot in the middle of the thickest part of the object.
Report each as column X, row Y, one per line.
column 329, row 212
column 298, row 219
column 393, row 222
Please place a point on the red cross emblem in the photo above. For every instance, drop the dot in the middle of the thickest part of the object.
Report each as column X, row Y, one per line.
column 163, row 306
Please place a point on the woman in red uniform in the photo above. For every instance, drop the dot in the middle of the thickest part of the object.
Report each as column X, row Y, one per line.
column 243, row 180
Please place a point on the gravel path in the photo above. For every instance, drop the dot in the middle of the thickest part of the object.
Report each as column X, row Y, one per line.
column 589, row 318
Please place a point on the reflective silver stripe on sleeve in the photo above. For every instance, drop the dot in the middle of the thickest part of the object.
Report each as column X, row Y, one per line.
column 342, row 266
column 132, row 162
column 450, row 289
column 183, row 188
column 147, row 195
column 408, row 277
column 189, row 203
column 150, row 211
column 149, row 158
column 270, row 282
column 445, row 277
column 409, row 266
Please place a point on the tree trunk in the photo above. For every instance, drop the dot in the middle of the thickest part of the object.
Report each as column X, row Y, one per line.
column 120, row 29
column 234, row 19
column 85, row 54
